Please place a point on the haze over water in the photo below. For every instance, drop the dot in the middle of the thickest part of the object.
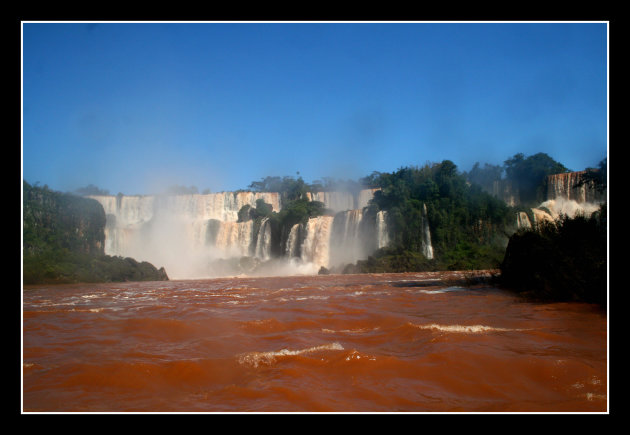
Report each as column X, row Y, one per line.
column 338, row 343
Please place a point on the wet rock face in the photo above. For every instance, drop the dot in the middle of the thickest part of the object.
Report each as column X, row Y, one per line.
column 572, row 186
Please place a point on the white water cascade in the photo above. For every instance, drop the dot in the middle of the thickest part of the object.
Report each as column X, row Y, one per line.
column 188, row 234
column 316, row 245
column 427, row 247
column 263, row 241
column 183, row 233
column 293, row 242
column 342, row 201
column 382, row 234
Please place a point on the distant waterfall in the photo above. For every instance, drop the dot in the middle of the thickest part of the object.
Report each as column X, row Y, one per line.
column 342, row 201
column 234, row 238
column 427, row 247
column 348, row 242
column 183, row 232
column 190, row 234
column 263, row 242
column 573, row 186
column 292, row 248
column 552, row 209
column 382, row 234
column 316, row 245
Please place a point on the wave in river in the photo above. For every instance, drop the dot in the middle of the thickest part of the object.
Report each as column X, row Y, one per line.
column 257, row 358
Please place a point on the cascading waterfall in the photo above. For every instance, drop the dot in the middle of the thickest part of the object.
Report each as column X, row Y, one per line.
column 234, row 238
column 183, row 233
column 187, row 233
column 316, row 245
column 292, row 249
column 427, row 247
column 572, row 186
column 552, row 209
column 348, row 243
column 568, row 194
column 342, row 201
column 382, row 234
column 263, row 241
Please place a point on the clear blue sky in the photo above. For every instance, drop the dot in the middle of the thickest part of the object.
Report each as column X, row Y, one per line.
column 135, row 107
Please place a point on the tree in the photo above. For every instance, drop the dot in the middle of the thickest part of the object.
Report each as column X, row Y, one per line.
column 529, row 175
column 90, row 190
column 485, row 176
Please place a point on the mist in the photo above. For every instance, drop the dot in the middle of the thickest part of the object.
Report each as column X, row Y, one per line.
column 199, row 236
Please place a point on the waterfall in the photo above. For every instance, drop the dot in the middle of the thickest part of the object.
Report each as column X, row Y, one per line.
column 522, row 220
column 292, row 249
column 263, row 242
column 348, row 244
column 234, row 238
column 364, row 197
column 335, row 201
column 342, row 201
column 427, row 248
column 183, row 233
column 382, row 234
column 315, row 248
column 190, row 234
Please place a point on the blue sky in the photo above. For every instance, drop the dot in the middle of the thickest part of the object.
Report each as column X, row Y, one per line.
column 136, row 107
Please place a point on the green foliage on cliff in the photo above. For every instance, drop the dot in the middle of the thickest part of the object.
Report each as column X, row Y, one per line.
column 388, row 260
column 289, row 188
column 525, row 176
column 468, row 225
column 55, row 220
column 485, row 176
column 529, row 175
column 298, row 211
column 562, row 261
column 91, row 189
column 63, row 242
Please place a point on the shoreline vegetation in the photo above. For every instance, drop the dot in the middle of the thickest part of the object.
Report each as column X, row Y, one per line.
column 472, row 229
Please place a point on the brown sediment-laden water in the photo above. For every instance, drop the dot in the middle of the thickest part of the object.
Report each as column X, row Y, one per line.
column 412, row 342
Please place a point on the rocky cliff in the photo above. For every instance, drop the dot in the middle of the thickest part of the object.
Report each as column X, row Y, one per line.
column 575, row 186
column 64, row 241
column 62, row 220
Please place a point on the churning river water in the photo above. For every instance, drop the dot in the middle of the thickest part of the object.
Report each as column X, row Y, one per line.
column 338, row 343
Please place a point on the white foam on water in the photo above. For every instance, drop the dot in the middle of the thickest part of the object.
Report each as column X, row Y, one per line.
column 87, row 310
column 355, row 356
column 267, row 358
column 467, row 329
column 302, row 298
column 350, row 331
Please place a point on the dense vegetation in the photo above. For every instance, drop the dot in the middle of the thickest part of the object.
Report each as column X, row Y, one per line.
column 63, row 242
column 562, row 261
column 469, row 226
column 525, row 176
